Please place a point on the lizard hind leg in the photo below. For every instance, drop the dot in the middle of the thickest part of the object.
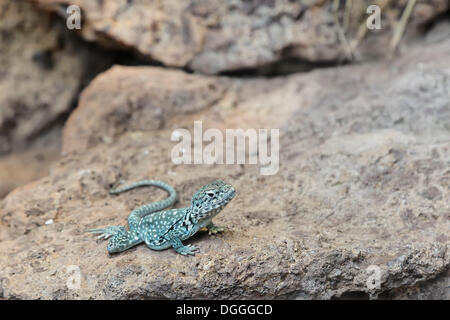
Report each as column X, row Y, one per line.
column 121, row 239
column 105, row 233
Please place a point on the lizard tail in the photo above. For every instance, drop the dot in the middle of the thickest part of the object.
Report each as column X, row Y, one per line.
column 145, row 183
column 138, row 213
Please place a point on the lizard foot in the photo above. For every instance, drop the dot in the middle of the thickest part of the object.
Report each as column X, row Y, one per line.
column 213, row 229
column 187, row 250
column 105, row 233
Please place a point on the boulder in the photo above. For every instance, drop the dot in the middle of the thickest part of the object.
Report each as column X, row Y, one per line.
column 43, row 67
column 358, row 207
column 214, row 36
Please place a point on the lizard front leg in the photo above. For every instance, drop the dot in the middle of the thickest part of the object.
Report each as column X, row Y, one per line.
column 182, row 249
column 213, row 229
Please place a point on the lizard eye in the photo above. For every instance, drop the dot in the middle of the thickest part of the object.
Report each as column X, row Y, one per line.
column 210, row 194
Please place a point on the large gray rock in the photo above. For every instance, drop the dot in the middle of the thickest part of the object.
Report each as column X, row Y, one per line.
column 20, row 167
column 41, row 71
column 43, row 67
column 212, row 36
column 362, row 189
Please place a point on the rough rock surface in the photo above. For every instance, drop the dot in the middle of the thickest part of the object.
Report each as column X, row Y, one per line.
column 42, row 69
column 124, row 99
column 363, row 184
column 211, row 36
column 19, row 168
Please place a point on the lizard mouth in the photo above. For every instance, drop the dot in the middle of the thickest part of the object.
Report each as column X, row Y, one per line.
column 228, row 198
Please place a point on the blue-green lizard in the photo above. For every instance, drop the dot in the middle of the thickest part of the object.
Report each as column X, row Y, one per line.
column 164, row 229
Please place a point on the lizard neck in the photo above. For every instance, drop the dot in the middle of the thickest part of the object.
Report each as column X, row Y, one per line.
column 195, row 216
column 189, row 217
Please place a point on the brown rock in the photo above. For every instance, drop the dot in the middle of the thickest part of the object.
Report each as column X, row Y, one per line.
column 20, row 167
column 42, row 69
column 358, row 145
column 133, row 99
column 212, row 36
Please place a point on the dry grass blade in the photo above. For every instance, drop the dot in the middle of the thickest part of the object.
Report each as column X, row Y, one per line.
column 400, row 29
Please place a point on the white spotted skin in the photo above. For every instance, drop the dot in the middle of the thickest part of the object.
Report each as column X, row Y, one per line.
column 164, row 229
column 152, row 227
column 157, row 228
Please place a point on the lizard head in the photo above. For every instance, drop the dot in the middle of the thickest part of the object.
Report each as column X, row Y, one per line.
column 210, row 199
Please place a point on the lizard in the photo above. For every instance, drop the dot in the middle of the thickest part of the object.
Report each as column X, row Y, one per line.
column 161, row 229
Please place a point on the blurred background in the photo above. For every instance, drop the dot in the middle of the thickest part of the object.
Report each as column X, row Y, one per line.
column 90, row 91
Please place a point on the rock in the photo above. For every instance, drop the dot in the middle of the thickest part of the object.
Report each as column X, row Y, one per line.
column 358, row 207
column 435, row 289
column 42, row 69
column 213, row 36
column 133, row 99
column 19, row 168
